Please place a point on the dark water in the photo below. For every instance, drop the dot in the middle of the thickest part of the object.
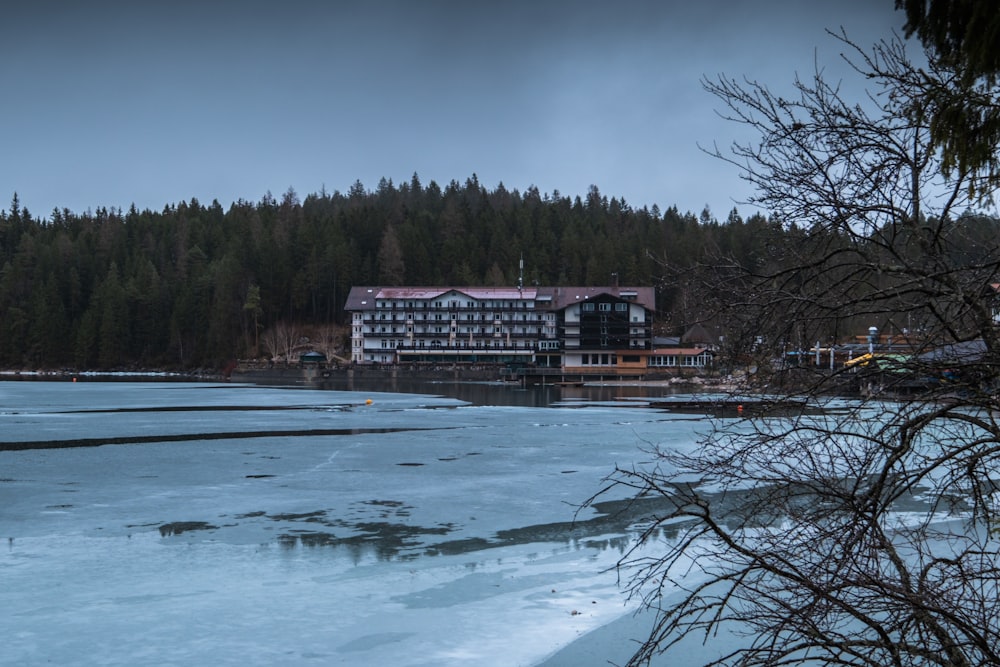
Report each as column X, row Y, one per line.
column 474, row 392
column 502, row 393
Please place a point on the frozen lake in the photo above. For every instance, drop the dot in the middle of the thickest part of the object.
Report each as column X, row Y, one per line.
column 237, row 524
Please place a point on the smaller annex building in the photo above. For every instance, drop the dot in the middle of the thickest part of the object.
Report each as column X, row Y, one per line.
column 575, row 329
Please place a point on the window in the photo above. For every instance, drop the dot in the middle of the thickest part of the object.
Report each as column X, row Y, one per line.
column 588, row 307
column 604, row 307
column 621, row 307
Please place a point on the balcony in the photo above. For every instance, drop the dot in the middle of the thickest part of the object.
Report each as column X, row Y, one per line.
column 406, row 347
column 432, row 308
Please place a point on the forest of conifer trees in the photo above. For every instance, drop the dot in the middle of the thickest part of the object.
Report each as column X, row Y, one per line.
column 193, row 286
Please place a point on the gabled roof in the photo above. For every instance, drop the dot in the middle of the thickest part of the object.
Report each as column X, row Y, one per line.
column 560, row 297
column 699, row 333
column 682, row 351
column 480, row 293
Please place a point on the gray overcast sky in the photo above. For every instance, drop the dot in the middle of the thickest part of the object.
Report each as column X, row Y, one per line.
column 114, row 103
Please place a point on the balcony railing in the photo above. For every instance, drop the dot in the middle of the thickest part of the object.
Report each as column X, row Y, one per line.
column 531, row 347
column 433, row 308
column 409, row 318
column 427, row 335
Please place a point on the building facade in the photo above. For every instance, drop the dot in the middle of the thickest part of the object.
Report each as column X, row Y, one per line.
column 571, row 328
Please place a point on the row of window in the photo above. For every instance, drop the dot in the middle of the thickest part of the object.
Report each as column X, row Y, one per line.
column 672, row 360
column 599, row 360
column 410, row 305
column 666, row 360
column 608, row 359
column 456, row 345
column 604, row 319
column 483, row 331
column 468, row 317
column 589, row 307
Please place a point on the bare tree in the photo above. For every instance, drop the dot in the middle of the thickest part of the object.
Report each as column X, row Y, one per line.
column 330, row 341
column 280, row 340
column 860, row 531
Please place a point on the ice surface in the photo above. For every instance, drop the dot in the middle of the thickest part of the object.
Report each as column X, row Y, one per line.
column 245, row 525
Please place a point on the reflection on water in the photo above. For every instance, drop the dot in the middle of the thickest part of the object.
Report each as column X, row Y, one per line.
column 611, row 528
column 474, row 392
column 502, row 393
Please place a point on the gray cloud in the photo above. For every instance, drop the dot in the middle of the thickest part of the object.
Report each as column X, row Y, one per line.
column 119, row 103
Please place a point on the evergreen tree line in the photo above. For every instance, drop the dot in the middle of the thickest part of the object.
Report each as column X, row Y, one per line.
column 193, row 286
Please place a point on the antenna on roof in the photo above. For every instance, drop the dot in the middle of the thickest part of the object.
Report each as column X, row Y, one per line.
column 520, row 276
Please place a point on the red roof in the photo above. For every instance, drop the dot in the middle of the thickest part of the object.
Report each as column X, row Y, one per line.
column 549, row 298
column 682, row 351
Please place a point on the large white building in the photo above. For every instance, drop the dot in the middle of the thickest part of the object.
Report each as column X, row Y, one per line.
column 578, row 329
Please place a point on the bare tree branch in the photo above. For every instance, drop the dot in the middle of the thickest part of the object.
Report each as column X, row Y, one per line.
column 861, row 531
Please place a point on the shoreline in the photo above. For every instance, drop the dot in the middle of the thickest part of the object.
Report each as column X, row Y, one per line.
column 69, row 374
column 319, row 375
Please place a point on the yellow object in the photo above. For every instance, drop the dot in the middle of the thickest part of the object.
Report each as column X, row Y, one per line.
column 862, row 360
column 886, row 360
column 368, row 402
